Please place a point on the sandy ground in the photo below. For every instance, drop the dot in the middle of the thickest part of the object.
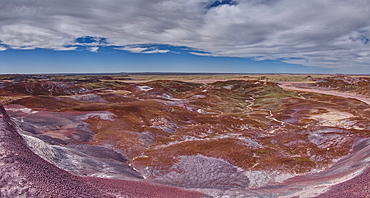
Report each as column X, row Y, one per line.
column 294, row 86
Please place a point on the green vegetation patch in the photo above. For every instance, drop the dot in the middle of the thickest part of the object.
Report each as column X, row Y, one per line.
column 103, row 84
column 173, row 86
column 271, row 97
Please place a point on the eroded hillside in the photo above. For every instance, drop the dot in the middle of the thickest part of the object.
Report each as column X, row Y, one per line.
column 223, row 137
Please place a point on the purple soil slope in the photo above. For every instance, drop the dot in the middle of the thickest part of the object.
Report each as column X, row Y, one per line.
column 25, row 174
column 356, row 187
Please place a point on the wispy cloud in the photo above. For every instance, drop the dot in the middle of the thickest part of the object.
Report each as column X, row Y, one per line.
column 133, row 49
column 324, row 33
column 24, row 47
column 145, row 50
column 64, row 48
column 93, row 49
column 2, row 48
column 202, row 54
column 155, row 51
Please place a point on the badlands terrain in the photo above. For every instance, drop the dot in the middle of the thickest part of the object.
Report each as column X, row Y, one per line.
column 184, row 136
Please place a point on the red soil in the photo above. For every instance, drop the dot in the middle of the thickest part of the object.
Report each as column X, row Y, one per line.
column 25, row 174
column 229, row 107
column 358, row 186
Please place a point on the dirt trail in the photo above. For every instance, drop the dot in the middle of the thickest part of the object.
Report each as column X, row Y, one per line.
column 293, row 86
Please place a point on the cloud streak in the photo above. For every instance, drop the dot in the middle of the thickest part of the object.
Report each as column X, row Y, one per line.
column 144, row 50
column 323, row 33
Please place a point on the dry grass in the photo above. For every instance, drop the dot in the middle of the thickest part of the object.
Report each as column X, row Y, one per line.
column 121, row 92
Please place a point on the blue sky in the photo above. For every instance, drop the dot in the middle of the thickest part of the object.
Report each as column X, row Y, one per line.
column 236, row 36
column 111, row 60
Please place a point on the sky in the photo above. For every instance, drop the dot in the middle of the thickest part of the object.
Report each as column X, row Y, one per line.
column 212, row 36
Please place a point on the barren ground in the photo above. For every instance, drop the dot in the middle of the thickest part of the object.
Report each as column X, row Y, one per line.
column 224, row 136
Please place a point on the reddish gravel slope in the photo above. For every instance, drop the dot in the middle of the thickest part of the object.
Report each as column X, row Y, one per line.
column 24, row 174
column 356, row 187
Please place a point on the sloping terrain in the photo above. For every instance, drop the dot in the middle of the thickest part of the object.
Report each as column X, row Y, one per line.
column 225, row 138
column 25, row 174
column 360, row 85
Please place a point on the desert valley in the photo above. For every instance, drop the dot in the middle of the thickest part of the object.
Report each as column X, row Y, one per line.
column 178, row 135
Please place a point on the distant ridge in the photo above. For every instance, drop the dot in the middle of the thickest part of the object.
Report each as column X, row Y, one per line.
column 172, row 73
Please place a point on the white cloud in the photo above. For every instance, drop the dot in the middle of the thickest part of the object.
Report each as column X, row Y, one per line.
column 133, row 49
column 324, row 33
column 156, row 51
column 24, row 47
column 201, row 54
column 93, row 49
column 2, row 48
column 145, row 50
column 64, row 48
